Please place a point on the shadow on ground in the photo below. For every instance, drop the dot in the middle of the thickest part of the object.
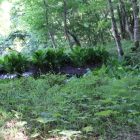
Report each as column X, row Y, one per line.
column 69, row 70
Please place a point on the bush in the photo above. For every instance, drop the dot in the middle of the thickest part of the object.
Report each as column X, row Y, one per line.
column 119, row 68
column 56, row 58
column 14, row 62
column 80, row 56
column 77, row 56
column 39, row 58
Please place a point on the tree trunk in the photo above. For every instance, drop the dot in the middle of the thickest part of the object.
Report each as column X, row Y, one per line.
column 126, row 20
column 123, row 22
column 139, row 8
column 136, row 25
column 116, row 35
column 65, row 24
column 122, row 25
column 51, row 33
column 75, row 39
column 50, row 30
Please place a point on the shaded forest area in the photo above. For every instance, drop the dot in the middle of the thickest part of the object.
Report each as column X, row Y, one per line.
column 69, row 70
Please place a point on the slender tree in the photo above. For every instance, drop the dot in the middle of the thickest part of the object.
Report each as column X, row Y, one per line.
column 126, row 20
column 139, row 8
column 50, row 30
column 65, row 24
column 122, row 22
column 115, row 30
column 136, row 25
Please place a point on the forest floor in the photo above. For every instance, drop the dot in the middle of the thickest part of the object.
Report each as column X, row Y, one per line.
column 68, row 69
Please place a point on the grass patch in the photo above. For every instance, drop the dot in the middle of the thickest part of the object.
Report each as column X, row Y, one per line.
column 112, row 48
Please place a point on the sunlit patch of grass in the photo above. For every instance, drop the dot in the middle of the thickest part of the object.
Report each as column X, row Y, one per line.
column 11, row 128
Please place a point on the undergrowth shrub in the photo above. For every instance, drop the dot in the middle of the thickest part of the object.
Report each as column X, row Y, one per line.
column 1, row 66
column 134, row 58
column 54, row 79
column 50, row 58
column 56, row 58
column 119, row 68
column 53, row 59
column 100, row 55
column 80, row 56
column 14, row 62
column 39, row 58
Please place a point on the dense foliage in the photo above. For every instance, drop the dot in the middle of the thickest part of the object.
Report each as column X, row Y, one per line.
column 55, row 23
column 102, row 104
column 17, row 62
column 14, row 62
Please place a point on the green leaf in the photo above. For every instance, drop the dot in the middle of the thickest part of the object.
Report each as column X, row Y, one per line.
column 56, row 115
column 69, row 132
column 106, row 113
column 88, row 128
column 45, row 120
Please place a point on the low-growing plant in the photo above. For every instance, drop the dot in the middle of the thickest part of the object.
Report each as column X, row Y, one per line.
column 12, row 125
column 77, row 56
column 117, row 61
column 77, row 108
column 101, row 55
column 133, row 58
column 39, row 58
column 14, row 62
column 62, row 58
column 54, row 59
column 54, row 79
column 119, row 68
column 1, row 66
column 96, row 55
column 57, row 58
column 80, row 56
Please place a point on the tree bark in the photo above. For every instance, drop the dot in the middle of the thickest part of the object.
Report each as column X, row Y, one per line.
column 136, row 24
column 139, row 8
column 65, row 24
column 126, row 20
column 50, row 30
column 115, row 30
column 122, row 23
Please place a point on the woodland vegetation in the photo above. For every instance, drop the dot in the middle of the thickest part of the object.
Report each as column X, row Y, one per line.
column 99, row 36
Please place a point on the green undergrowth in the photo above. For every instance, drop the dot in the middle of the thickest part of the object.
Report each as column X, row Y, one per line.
column 15, row 62
column 129, row 55
column 112, row 48
column 95, row 106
